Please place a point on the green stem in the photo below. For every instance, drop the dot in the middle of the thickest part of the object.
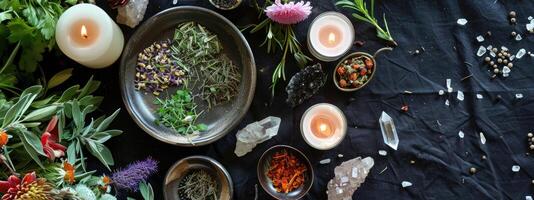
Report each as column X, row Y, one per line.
column 11, row 57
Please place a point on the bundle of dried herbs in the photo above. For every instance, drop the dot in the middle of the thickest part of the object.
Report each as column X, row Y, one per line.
column 198, row 185
column 179, row 112
column 199, row 52
column 156, row 70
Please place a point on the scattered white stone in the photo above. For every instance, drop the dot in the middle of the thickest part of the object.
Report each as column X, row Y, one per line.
column 441, row 92
column 528, row 197
column 506, row 70
column 516, row 168
column 406, row 184
column 460, row 95
column 325, row 161
column 518, row 37
column 461, row 134
column 520, row 53
column 530, row 26
column 340, row 155
column 382, row 152
column 447, row 102
column 518, row 96
column 492, row 54
column 461, row 21
column 512, row 57
column 448, row 84
column 174, row 2
column 479, row 96
column 489, row 47
column 530, row 18
column 480, row 38
column 505, row 75
column 481, row 51
column 504, row 48
column 482, row 138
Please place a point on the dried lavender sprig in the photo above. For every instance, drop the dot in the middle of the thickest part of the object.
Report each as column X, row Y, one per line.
column 129, row 178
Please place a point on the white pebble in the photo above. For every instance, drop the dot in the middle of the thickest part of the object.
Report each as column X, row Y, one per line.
column 482, row 138
column 520, row 53
column 518, row 96
column 441, row 92
column 480, row 38
column 479, row 96
column 481, row 51
column 528, row 197
column 325, row 161
column 489, row 47
column 447, row 102
column 516, row 168
column 382, row 152
column 406, row 184
column 461, row 21
column 504, row 48
column 340, row 155
column 460, row 95
column 461, row 134
column 174, row 2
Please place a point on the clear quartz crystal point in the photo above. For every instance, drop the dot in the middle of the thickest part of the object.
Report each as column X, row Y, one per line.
column 132, row 13
column 481, row 51
column 348, row 177
column 520, row 53
column 389, row 133
column 255, row 133
column 461, row 21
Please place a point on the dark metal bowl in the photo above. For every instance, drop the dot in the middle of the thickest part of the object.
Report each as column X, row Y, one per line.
column 220, row 119
column 266, row 183
column 183, row 166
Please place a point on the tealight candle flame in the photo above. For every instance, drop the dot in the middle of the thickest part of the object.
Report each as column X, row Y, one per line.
column 331, row 38
column 83, row 32
column 322, row 128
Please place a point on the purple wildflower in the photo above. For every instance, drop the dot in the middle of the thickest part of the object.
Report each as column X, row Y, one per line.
column 129, row 178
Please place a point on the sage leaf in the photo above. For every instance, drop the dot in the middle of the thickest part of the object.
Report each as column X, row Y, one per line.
column 14, row 111
column 101, row 152
column 105, row 123
column 33, row 141
column 41, row 113
column 43, row 102
column 68, row 94
column 31, row 152
column 35, row 90
column 59, row 78
column 90, row 87
column 146, row 191
column 77, row 115
column 71, row 153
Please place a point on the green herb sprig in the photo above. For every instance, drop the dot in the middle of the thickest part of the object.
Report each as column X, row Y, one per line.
column 368, row 16
column 179, row 113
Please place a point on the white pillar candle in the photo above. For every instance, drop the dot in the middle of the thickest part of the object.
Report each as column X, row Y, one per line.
column 330, row 35
column 86, row 34
column 323, row 126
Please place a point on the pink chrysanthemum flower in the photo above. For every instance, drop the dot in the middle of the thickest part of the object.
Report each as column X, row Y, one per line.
column 289, row 13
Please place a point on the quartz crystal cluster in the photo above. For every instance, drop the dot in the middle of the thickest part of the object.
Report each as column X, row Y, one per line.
column 305, row 84
column 132, row 13
column 255, row 133
column 348, row 177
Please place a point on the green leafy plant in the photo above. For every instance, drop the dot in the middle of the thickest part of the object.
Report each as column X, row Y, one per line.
column 179, row 113
column 367, row 15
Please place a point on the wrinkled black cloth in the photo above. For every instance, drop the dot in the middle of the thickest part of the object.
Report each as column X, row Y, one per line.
column 428, row 132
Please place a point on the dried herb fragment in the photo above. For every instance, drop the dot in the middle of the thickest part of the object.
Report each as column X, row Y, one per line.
column 286, row 172
column 198, row 185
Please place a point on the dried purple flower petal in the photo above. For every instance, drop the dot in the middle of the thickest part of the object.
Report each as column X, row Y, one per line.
column 129, row 178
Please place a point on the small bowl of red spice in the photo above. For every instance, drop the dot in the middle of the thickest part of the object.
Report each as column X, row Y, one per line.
column 354, row 71
column 285, row 173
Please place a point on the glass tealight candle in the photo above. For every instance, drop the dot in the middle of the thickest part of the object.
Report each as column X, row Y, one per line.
column 323, row 126
column 330, row 36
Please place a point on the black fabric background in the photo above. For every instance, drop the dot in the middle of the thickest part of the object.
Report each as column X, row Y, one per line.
column 442, row 159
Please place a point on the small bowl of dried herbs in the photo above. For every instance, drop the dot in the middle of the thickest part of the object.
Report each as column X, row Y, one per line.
column 355, row 70
column 226, row 4
column 285, row 173
column 197, row 178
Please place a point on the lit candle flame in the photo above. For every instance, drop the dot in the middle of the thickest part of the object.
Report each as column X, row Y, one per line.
column 331, row 38
column 83, row 32
column 322, row 127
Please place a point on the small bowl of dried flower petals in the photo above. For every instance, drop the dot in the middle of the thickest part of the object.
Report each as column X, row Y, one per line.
column 285, row 173
column 354, row 71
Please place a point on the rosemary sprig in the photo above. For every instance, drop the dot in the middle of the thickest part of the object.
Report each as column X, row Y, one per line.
column 368, row 16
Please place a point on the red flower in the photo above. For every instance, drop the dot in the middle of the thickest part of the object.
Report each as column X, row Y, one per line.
column 12, row 182
column 29, row 188
column 49, row 140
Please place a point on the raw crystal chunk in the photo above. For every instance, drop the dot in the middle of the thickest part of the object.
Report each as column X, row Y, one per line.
column 516, row 168
column 461, row 134
column 304, row 84
column 255, row 133
column 406, row 184
column 348, row 177
column 447, row 103
column 492, row 54
column 528, row 197
column 479, row 96
column 460, row 95
column 482, row 138
column 506, row 70
column 132, row 13
column 480, row 38
column 520, row 53
column 461, row 21
column 389, row 133
column 481, row 51
column 382, row 152
column 518, row 96
column 518, row 37
column 325, row 161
